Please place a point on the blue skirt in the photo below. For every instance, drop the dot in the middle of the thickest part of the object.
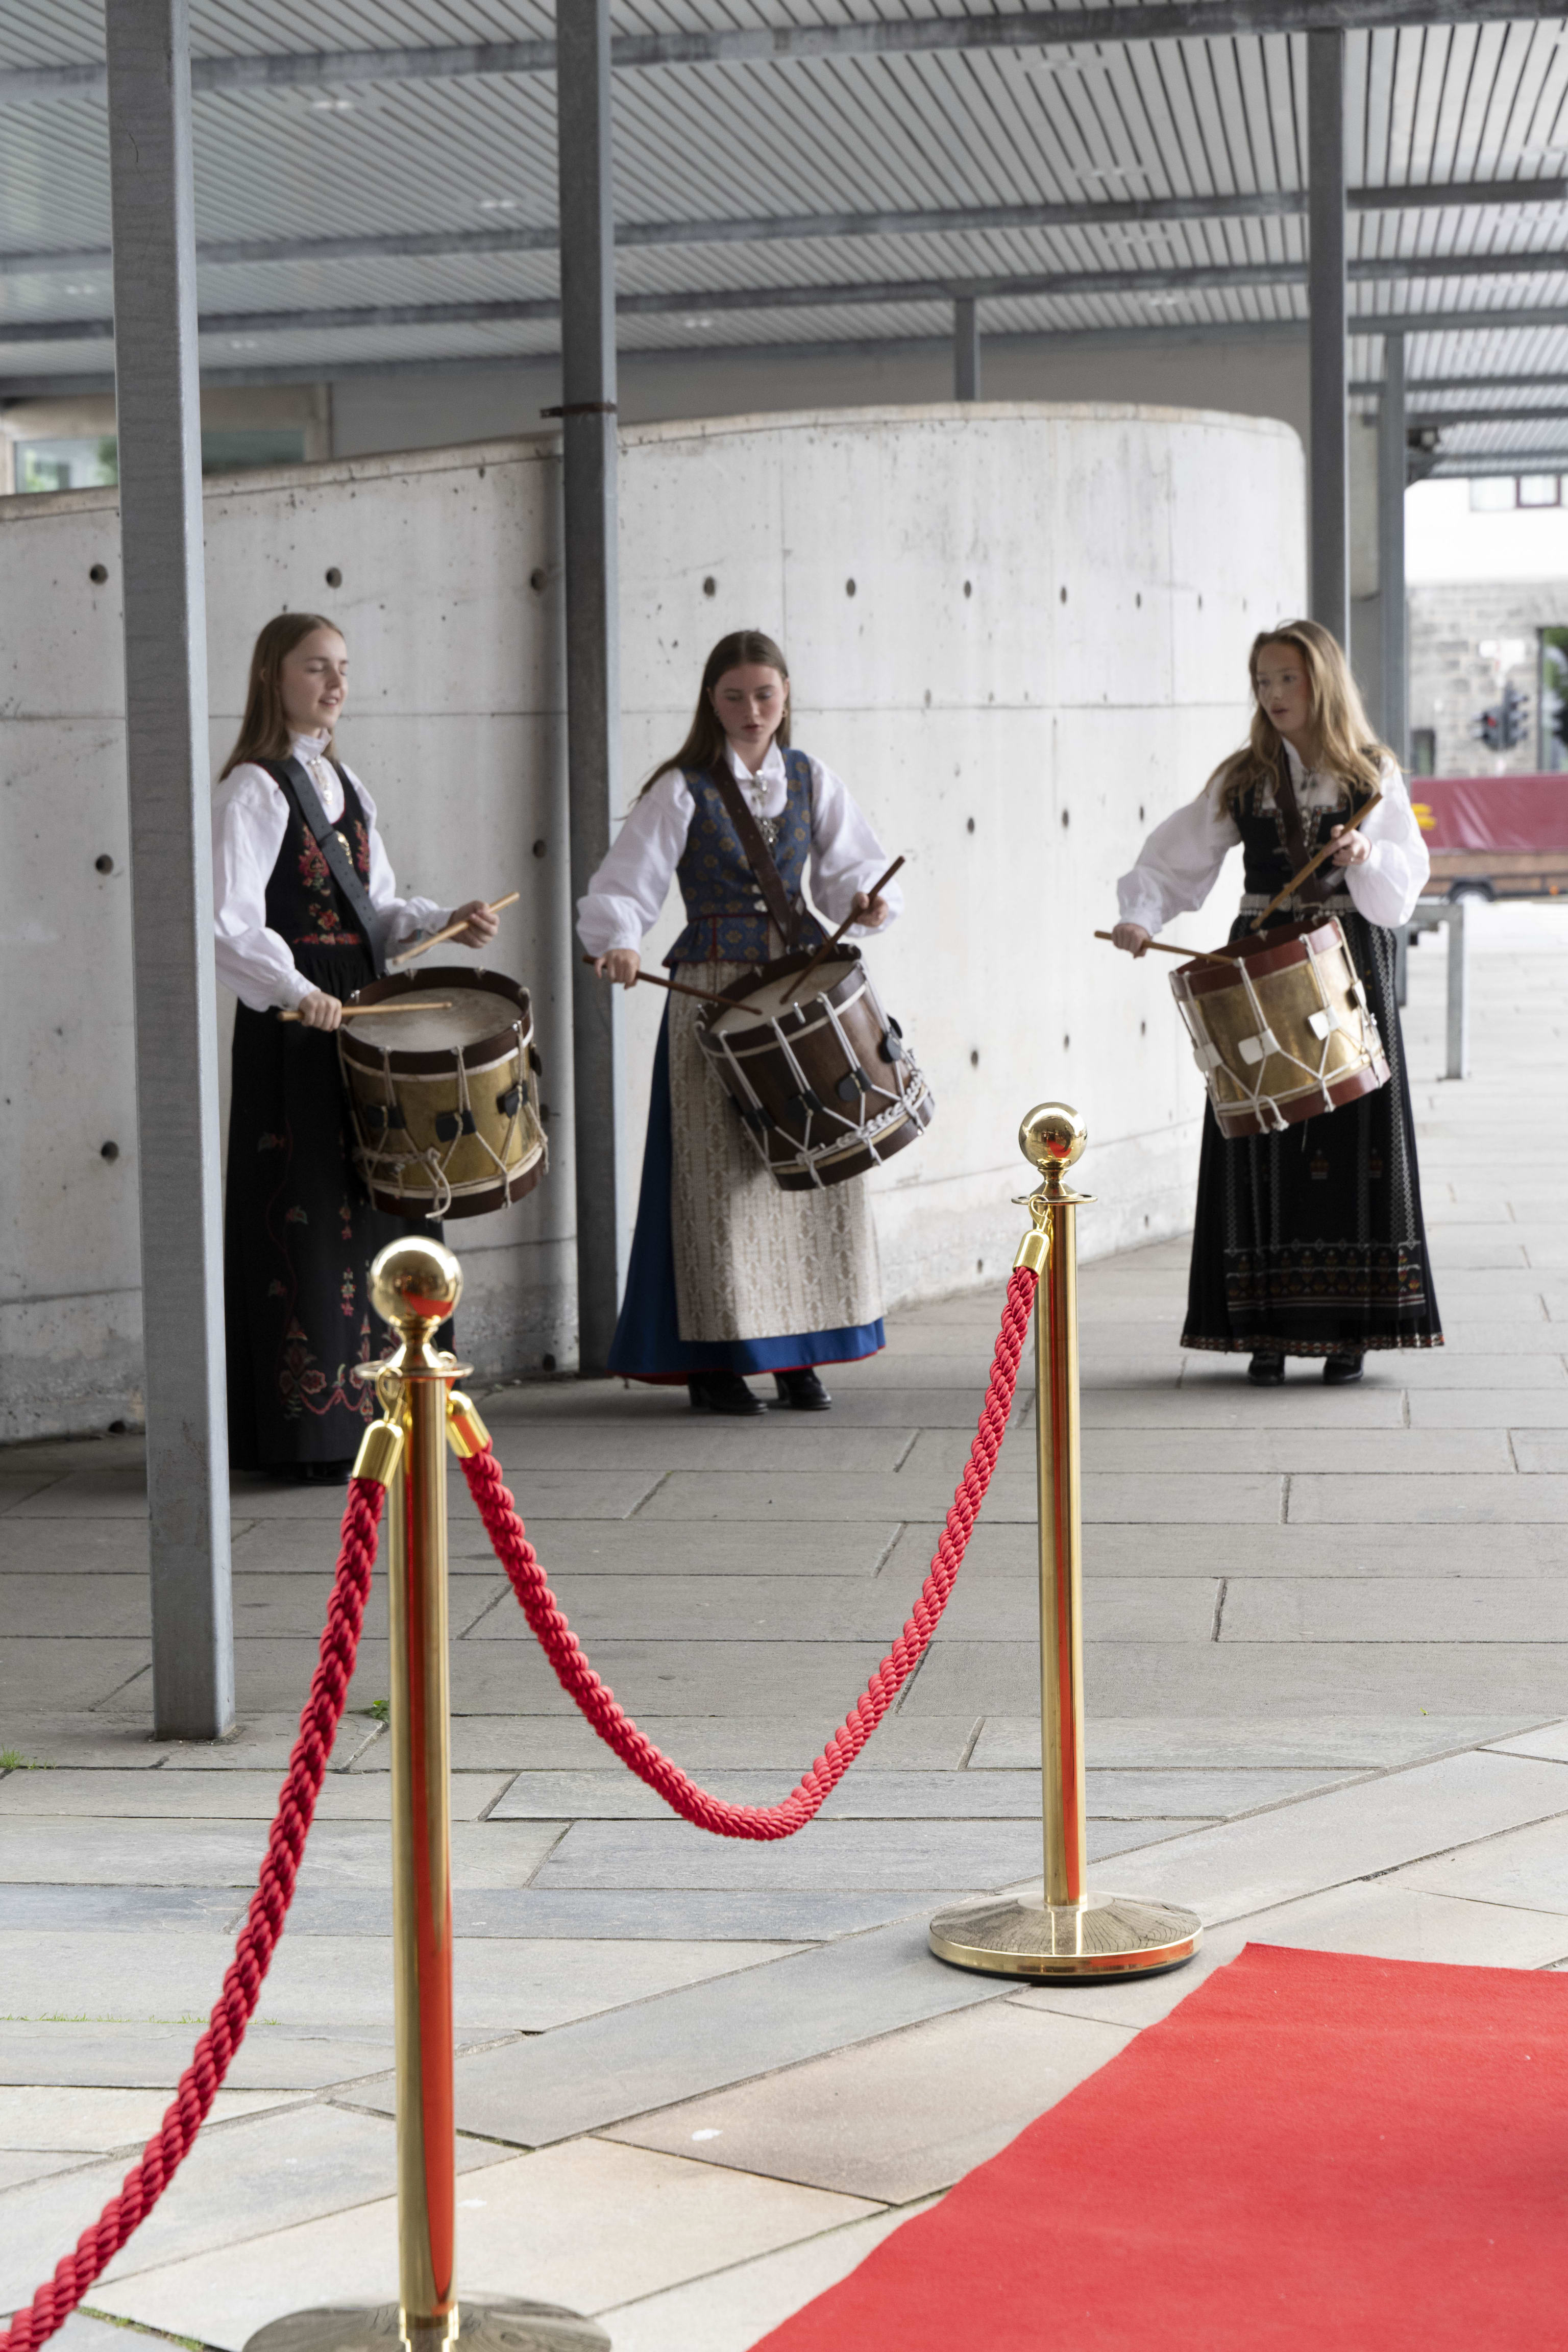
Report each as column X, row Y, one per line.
column 648, row 1345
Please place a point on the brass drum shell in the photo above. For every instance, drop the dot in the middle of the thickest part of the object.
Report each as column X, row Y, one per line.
column 1293, row 970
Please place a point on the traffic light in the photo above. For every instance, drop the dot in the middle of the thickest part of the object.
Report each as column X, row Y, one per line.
column 1515, row 717
column 1488, row 728
column 1560, row 721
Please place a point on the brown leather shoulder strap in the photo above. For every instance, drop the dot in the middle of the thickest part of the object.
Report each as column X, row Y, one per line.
column 1317, row 885
column 759, row 857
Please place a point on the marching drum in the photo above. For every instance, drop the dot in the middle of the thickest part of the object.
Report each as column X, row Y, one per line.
column 1282, row 1030
column 825, row 1084
column 446, row 1122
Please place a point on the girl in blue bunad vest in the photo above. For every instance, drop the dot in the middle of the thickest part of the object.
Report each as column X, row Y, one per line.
column 730, row 1275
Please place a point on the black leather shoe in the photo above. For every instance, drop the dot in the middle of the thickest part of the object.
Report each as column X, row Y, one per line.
column 1339, row 1370
column 1266, row 1371
column 723, row 1392
column 802, row 1390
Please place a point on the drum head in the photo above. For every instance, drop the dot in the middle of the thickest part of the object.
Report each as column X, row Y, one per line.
column 766, row 1001
column 483, row 1011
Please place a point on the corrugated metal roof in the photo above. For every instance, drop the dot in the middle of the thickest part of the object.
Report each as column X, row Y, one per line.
column 711, row 142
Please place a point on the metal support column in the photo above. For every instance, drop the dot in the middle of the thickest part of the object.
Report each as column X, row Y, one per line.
column 1391, row 547
column 1329, row 474
column 966, row 347
column 158, row 418
column 593, row 633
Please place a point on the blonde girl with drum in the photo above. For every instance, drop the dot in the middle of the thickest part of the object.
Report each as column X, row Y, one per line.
column 1308, row 1242
column 729, row 1276
column 306, row 911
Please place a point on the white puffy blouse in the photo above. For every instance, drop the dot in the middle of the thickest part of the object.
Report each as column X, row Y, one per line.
column 1179, row 864
column 251, row 817
column 625, row 896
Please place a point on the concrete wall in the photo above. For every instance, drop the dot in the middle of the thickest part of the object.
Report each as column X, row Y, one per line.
column 1042, row 655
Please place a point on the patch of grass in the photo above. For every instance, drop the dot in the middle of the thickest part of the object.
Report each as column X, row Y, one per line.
column 135, row 2327
column 13, row 1761
column 381, row 1708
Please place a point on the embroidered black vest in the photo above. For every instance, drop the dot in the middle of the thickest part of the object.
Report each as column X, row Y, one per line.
column 304, row 904
column 726, row 920
column 1267, row 862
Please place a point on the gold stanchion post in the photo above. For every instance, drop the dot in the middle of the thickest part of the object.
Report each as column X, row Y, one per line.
column 415, row 1286
column 1068, row 1931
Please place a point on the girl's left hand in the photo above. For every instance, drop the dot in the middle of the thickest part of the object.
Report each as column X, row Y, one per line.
column 1353, row 849
column 871, row 913
column 479, row 926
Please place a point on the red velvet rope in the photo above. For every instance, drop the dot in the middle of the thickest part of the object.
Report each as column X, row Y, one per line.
column 236, row 2004
column 616, row 1728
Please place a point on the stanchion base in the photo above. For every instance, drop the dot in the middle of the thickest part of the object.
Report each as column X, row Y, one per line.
column 492, row 2323
column 1104, row 1936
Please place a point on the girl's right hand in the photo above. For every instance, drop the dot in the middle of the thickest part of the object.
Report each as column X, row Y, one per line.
column 1132, row 937
column 621, row 964
column 320, row 1012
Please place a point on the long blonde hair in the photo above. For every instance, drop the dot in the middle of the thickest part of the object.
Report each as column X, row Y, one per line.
column 704, row 744
column 264, row 732
column 1344, row 744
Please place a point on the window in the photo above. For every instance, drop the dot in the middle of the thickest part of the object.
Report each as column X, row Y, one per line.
column 1501, row 493
column 92, row 464
column 1540, row 489
column 1423, row 751
column 1552, row 702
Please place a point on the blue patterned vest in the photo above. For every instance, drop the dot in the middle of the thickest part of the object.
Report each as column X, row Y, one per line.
column 726, row 919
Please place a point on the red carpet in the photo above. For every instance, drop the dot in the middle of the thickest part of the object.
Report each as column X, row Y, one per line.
column 1355, row 2154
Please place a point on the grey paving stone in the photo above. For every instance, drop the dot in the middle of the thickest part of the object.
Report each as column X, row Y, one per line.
column 83, row 2334
column 1328, row 1500
column 861, row 1796
column 779, row 1608
column 1217, row 1404
column 67, row 1676
column 702, row 1743
column 642, row 1548
column 1384, row 1549
column 1011, row 1496
column 214, row 1796
column 1400, row 1452
column 1396, row 1608
column 1420, row 1368
column 702, row 1442
column 1536, row 1452
column 19, row 1488
column 1251, row 1678
column 1307, row 1742
column 273, row 1677
column 73, row 1547
column 228, row 1853
column 267, row 1607
column 1211, row 1790
column 156, row 2057
column 89, row 1742
column 1348, row 1833
column 553, row 1494
column 817, row 1679
column 1515, row 1409
column 852, row 1856
column 29, row 2164
column 1525, row 1869
column 945, row 2097
column 84, row 1494
column 638, row 1914
column 611, row 2068
column 1549, row 1740
column 44, row 1910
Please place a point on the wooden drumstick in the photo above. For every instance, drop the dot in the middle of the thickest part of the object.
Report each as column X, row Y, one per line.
column 394, row 964
column 680, row 987
column 1164, row 946
column 373, row 1012
column 1313, row 863
column 828, row 945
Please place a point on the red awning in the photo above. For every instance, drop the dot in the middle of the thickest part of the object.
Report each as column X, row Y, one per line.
column 1501, row 813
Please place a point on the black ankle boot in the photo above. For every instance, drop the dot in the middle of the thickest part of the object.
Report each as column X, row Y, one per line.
column 802, row 1390
column 723, row 1392
column 1268, row 1372
column 1338, row 1370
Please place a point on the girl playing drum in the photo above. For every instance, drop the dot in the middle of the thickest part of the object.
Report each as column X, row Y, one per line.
column 306, row 910
column 729, row 1274
column 1310, row 1242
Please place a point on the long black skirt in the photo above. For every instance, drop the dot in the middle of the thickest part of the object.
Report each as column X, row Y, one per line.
column 1312, row 1243
column 300, row 1235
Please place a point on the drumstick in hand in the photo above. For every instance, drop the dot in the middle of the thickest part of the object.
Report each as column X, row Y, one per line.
column 828, row 945
column 678, row 987
column 1312, row 864
column 1161, row 947
column 435, row 937
column 373, row 1012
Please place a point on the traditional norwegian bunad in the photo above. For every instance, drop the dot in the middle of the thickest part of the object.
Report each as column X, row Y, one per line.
column 1310, row 1242
column 727, row 1272
column 300, row 1232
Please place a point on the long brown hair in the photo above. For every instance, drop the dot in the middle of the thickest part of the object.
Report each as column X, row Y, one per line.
column 705, row 738
column 1344, row 744
column 264, row 732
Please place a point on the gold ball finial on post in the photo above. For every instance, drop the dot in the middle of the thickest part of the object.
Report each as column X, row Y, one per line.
column 415, row 1286
column 1051, row 1138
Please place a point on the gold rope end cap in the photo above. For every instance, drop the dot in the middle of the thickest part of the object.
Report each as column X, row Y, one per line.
column 380, row 1451
column 465, row 1433
column 1033, row 1250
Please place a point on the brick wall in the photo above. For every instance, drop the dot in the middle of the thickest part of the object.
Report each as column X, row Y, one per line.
column 1452, row 681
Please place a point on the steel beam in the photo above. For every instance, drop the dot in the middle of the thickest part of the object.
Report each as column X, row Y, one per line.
column 1328, row 490
column 966, row 347
column 593, row 640
column 793, row 229
column 1391, row 481
column 874, row 37
column 159, row 425
column 1461, row 468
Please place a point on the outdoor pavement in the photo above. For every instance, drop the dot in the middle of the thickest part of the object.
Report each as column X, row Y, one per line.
column 699, row 2079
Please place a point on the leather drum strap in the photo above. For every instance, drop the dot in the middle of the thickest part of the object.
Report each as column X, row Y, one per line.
column 1317, row 885
column 295, row 778
column 759, row 857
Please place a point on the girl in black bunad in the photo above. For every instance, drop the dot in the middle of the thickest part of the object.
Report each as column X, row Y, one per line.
column 306, row 911
column 730, row 1275
column 1310, row 1242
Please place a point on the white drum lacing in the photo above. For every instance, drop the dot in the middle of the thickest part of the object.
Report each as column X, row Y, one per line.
column 847, row 1133
column 390, row 1169
column 1257, row 1050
